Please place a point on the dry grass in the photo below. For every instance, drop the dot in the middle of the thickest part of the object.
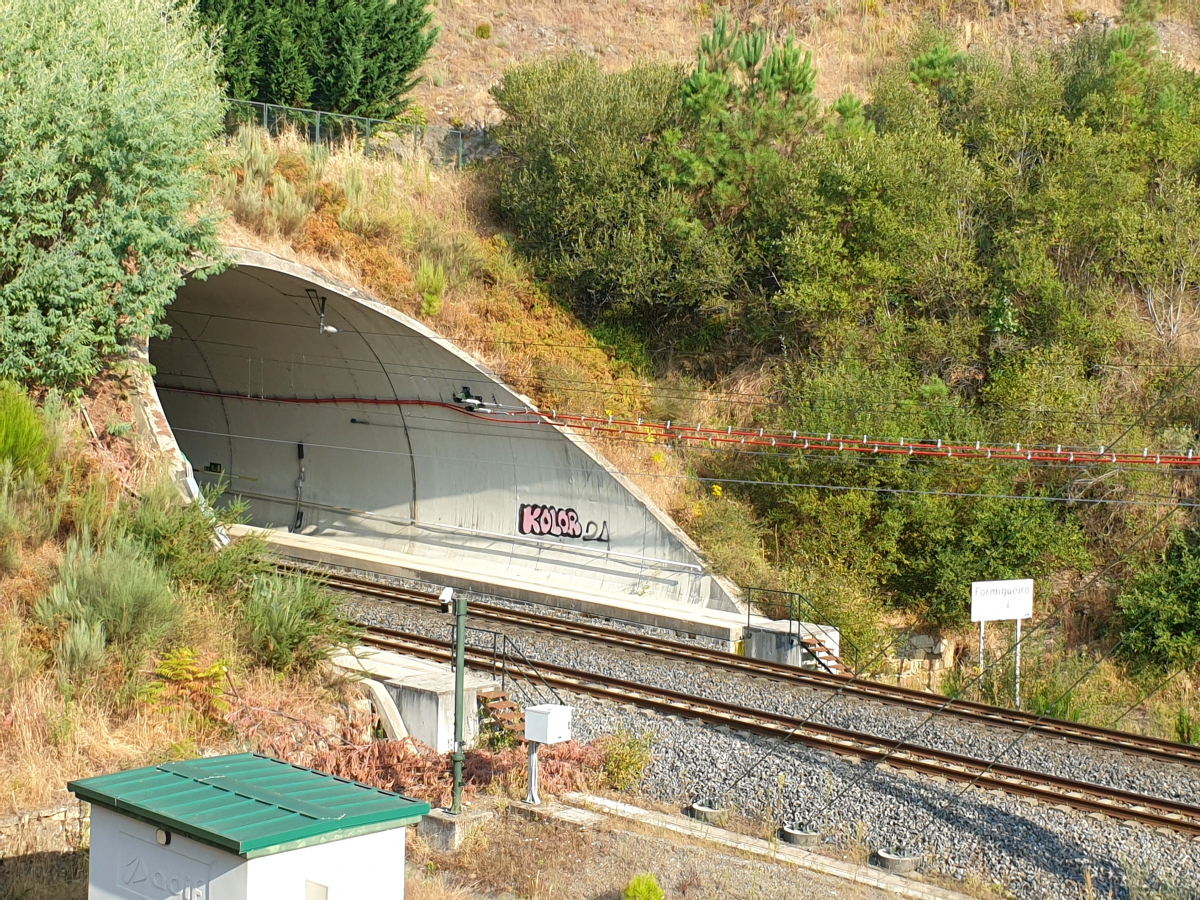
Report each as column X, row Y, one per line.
column 402, row 211
column 850, row 39
column 424, row 886
column 53, row 730
column 534, row 860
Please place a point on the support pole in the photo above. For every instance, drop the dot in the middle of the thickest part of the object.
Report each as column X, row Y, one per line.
column 981, row 660
column 460, row 651
column 532, row 798
column 1018, row 673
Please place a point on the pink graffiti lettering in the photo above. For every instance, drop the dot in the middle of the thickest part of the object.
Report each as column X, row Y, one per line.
column 538, row 519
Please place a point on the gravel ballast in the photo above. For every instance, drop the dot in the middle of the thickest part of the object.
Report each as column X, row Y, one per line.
column 1029, row 849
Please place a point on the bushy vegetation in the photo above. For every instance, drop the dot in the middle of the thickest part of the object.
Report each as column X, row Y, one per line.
column 134, row 572
column 643, row 886
column 626, row 756
column 1161, row 607
column 354, row 56
column 105, row 122
column 24, row 442
column 994, row 248
column 293, row 621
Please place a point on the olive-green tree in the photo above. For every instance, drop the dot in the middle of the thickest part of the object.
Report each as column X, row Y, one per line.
column 105, row 110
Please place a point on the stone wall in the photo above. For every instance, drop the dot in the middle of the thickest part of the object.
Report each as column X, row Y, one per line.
column 56, row 829
column 920, row 661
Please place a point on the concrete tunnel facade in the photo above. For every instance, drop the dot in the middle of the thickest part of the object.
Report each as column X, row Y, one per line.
column 365, row 435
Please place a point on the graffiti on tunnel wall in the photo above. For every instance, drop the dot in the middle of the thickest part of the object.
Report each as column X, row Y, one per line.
column 551, row 521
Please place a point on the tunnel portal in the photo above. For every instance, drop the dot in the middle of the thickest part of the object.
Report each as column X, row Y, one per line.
column 336, row 416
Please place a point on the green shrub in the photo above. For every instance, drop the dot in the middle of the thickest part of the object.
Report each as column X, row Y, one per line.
column 626, row 758
column 355, row 217
column 82, row 649
column 1160, row 607
column 89, row 264
column 643, row 886
column 483, row 31
column 431, row 282
column 181, row 538
column 117, row 589
column 286, row 210
column 1187, row 727
column 24, row 442
column 293, row 622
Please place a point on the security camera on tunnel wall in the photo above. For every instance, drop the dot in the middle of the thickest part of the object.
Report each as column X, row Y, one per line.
column 446, row 600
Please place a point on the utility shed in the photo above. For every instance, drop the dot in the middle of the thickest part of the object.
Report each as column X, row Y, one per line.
column 244, row 827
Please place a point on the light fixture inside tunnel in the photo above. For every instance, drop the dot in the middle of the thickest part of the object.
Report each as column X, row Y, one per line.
column 319, row 308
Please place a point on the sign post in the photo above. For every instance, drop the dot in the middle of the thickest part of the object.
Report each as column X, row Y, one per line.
column 994, row 600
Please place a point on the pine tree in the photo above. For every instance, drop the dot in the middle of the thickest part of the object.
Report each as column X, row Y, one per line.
column 349, row 56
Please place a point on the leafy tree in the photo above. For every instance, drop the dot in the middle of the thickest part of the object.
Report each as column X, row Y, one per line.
column 743, row 108
column 350, row 56
column 582, row 194
column 105, row 110
column 961, row 258
column 1161, row 607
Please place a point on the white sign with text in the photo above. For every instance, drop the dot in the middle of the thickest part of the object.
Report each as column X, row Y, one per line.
column 995, row 600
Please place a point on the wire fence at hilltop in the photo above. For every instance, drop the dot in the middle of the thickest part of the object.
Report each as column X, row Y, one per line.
column 443, row 146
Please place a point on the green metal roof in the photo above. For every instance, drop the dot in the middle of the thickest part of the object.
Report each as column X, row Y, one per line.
column 250, row 804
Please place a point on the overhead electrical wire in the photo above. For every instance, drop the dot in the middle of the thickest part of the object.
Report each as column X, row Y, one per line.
column 653, row 392
column 700, row 435
column 1154, row 500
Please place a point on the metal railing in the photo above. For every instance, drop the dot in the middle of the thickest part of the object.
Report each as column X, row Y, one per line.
column 510, row 663
column 796, row 608
column 443, row 146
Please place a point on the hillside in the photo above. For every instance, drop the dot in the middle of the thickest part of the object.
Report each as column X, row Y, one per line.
column 850, row 42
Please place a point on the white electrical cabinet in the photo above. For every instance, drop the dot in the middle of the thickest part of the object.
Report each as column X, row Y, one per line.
column 548, row 723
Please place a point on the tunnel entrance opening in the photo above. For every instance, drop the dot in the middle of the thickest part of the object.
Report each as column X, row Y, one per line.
column 337, row 417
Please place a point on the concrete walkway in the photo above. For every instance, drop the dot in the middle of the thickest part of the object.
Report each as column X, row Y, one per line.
column 867, row 875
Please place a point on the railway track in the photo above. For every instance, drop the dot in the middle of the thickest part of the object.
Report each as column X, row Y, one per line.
column 1051, row 790
column 977, row 713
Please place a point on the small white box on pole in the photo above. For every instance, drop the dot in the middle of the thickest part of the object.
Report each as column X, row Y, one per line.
column 548, row 723
column 992, row 601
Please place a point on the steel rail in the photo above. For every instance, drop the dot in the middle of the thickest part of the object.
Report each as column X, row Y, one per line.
column 966, row 710
column 1052, row 790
